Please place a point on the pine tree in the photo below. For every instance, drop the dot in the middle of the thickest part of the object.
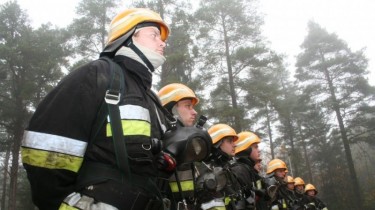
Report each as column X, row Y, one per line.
column 89, row 28
column 336, row 77
column 226, row 27
column 30, row 64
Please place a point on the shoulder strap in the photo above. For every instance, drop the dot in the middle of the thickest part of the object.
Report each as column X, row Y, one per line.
column 103, row 109
column 112, row 99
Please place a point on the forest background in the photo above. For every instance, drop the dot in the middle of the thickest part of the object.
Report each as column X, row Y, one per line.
column 319, row 116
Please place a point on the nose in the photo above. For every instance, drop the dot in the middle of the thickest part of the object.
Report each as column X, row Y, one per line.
column 162, row 44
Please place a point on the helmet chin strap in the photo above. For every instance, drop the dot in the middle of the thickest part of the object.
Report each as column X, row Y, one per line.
column 131, row 45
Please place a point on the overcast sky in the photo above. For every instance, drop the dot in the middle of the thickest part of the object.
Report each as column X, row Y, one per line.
column 352, row 20
column 285, row 21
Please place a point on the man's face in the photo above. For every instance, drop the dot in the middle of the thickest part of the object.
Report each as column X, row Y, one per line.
column 290, row 186
column 255, row 152
column 311, row 193
column 150, row 37
column 186, row 112
column 280, row 173
column 299, row 188
column 228, row 146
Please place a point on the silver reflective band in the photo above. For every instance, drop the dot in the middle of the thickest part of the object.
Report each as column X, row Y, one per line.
column 275, row 207
column 217, row 202
column 219, row 132
column 245, row 141
column 50, row 142
column 133, row 112
column 170, row 95
column 77, row 200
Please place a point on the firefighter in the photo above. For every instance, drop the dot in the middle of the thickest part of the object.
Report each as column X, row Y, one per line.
column 299, row 189
column 276, row 175
column 180, row 100
column 299, row 185
column 217, row 187
column 313, row 203
column 247, row 155
column 290, row 185
column 69, row 151
column 291, row 196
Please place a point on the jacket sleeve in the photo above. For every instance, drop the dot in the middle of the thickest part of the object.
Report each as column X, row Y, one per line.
column 56, row 138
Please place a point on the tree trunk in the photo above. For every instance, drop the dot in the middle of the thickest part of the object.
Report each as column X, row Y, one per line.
column 17, row 133
column 14, row 170
column 291, row 138
column 237, row 120
column 305, row 154
column 269, row 131
column 357, row 198
column 5, row 177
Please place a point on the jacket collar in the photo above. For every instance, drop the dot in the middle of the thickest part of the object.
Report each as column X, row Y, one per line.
column 140, row 71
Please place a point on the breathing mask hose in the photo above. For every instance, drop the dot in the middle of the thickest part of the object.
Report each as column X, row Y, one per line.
column 194, row 180
column 180, row 189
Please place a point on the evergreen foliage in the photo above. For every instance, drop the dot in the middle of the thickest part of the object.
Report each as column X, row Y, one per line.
column 321, row 122
column 31, row 61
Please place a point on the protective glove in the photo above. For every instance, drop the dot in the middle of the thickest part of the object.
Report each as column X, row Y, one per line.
column 166, row 162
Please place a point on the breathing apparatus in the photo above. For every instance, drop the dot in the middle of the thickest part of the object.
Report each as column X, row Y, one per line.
column 187, row 144
column 213, row 181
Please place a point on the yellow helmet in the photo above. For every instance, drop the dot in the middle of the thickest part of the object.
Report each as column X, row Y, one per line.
column 123, row 26
column 245, row 140
column 170, row 94
column 298, row 181
column 219, row 131
column 289, row 179
column 310, row 187
column 276, row 164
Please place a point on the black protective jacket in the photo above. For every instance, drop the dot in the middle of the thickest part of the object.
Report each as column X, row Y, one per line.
column 63, row 139
column 252, row 184
column 218, row 170
column 186, row 177
column 287, row 199
column 314, row 203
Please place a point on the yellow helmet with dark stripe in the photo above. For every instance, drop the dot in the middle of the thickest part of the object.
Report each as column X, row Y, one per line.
column 289, row 179
column 311, row 187
column 245, row 140
column 298, row 181
column 276, row 164
column 172, row 93
column 219, row 131
column 124, row 24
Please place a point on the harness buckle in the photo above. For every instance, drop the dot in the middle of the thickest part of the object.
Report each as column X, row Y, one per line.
column 112, row 97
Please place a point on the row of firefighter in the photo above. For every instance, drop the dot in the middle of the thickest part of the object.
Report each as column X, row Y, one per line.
column 230, row 178
column 102, row 139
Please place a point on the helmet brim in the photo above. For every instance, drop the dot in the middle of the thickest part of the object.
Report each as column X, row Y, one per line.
column 115, row 45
